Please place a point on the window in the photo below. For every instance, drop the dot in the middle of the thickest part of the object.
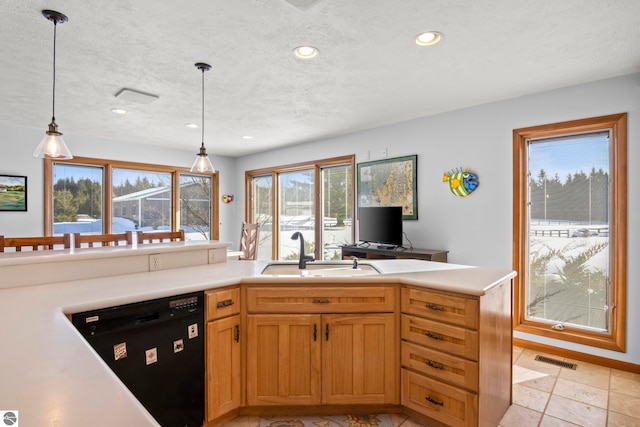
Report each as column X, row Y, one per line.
column 261, row 212
column 304, row 193
column 337, row 208
column 569, row 234
column 140, row 200
column 92, row 196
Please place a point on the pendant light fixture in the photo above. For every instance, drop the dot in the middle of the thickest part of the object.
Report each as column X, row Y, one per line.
column 202, row 162
column 52, row 145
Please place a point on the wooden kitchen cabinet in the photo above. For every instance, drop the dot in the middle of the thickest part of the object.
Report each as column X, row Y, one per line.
column 358, row 358
column 223, row 355
column 283, row 359
column 456, row 355
column 332, row 356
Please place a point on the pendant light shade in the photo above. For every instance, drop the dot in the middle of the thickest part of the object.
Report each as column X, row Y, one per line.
column 52, row 145
column 202, row 162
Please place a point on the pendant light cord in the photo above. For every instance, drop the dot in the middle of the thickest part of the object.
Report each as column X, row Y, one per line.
column 203, row 107
column 53, row 107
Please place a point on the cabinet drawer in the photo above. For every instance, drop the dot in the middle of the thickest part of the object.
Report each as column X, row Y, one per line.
column 452, row 406
column 442, row 366
column 320, row 299
column 222, row 303
column 453, row 309
column 439, row 336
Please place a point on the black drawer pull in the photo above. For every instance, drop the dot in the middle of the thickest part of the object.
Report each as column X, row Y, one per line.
column 225, row 303
column 435, row 365
column 321, row 301
column 434, row 336
column 432, row 400
column 434, row 307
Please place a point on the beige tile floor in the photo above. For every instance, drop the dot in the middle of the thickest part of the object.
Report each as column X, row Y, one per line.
column 546, row 395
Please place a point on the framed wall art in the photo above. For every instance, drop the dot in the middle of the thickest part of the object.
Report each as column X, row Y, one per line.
column 13, row 193
column 389, row 182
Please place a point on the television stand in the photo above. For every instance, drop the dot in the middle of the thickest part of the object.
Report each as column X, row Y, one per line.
column 375, row 252
column 386, row 247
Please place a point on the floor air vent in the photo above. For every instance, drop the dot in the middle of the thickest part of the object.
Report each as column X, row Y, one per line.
column 556, row 362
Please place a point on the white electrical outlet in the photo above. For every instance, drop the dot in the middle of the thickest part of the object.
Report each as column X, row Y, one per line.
column 154, row 262
column 383, row 153
column 217, row 255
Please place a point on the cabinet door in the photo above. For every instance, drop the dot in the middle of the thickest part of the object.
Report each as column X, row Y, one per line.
column 223, row 366
column 358, row 359
column 283, row 359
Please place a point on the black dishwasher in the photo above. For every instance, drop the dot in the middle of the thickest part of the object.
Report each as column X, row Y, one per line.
column 156, row 348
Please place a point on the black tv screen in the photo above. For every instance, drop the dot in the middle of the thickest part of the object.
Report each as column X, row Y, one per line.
column 380, row 225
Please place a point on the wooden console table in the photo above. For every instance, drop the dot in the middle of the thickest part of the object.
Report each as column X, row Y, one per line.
column 373, row 252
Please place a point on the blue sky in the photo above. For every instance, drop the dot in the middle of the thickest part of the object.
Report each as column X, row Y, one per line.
column 11, row 180
column 569, row 156
column 119, row 175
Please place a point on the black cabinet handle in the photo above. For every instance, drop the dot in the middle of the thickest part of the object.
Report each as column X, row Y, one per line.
column 434, row 336
column 225, row 303
column 315, row 332
column 434, row 365
column 321, row 301
column 237, row 333
column 435, row 402
column 326, row 333
column 434, row 307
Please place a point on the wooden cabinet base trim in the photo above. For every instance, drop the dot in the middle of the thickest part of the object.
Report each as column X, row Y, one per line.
column 310, row 410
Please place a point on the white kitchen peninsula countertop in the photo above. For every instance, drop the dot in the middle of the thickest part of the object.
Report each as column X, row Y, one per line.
column 54, row 378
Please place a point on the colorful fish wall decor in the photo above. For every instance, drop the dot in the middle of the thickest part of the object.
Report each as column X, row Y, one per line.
column 227, row 198
column 461, row 182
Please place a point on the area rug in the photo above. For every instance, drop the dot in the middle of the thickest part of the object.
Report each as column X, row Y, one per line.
column 382, row 420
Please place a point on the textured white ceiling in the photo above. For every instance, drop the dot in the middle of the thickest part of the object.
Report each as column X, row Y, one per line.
column 369, row 72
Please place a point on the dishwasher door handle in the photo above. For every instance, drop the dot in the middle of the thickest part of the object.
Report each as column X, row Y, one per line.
column 148, row 317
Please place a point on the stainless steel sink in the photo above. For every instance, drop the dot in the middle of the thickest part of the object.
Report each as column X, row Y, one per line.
column 320, row 269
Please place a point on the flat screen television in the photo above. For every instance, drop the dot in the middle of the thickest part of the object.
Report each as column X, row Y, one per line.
column 380, row 225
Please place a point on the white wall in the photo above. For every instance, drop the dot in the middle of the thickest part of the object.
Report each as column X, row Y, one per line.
column 18, row 143
column 477, row 229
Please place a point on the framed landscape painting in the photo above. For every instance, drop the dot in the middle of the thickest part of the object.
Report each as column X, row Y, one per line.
column 389, row 182
column 13, row 193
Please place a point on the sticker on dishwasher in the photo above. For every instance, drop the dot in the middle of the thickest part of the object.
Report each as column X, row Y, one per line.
column 193, row 330
column 178, row 346
column 120, row 351
column 151, row 355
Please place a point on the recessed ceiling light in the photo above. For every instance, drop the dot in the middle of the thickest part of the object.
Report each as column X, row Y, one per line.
column 428, row 38
column 191, row 125
column 119, row 111
column 247, row 137
column 305, row 52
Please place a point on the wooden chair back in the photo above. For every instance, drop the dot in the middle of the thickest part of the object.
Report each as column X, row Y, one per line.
column 249, row 241
column 160, row 236
column 36, row 243
column 99, row 240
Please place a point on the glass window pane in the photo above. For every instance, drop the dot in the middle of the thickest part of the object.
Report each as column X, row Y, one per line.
column 77, row 199
column 297, row 207
column 261, row 211
column 336, row 210
column 195, row 206
column 568, row 280
column 141, row 200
